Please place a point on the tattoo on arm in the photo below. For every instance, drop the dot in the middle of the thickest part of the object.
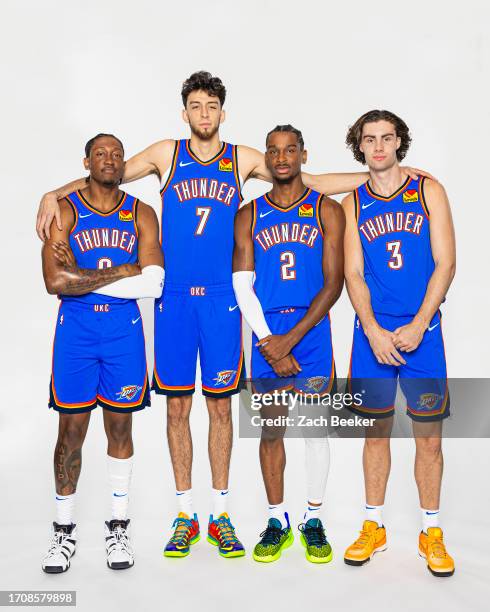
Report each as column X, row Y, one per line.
column 84, row 280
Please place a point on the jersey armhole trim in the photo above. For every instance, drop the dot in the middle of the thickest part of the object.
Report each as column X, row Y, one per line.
column 135, row 216
column 254, row 218
column 356, row 204
column 319, row 214
column 75, row 213
column 172, row 167
column 235, row 169
column 422, row 197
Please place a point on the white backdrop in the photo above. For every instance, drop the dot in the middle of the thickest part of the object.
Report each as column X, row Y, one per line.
column 71, row 70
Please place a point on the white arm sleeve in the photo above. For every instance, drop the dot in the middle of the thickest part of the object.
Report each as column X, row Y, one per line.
column 148, row 284
column 249, row 303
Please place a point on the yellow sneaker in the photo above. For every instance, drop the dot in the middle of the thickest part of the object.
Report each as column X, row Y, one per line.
column 432, row 548
column 372, row 539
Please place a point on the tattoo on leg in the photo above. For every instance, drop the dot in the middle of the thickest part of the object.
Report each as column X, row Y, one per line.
column 67, row 469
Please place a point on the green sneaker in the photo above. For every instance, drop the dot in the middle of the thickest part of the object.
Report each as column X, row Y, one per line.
column 313, row 538
column 273, row 541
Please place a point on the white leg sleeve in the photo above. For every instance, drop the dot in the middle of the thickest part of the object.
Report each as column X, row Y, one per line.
column 317, row 455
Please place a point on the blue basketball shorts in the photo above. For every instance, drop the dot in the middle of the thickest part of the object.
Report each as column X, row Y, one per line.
column 99, row 358
column 314, row 353
column 423, row 380
column 192, row 320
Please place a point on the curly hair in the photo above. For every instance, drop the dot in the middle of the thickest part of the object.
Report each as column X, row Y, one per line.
column 203, row 80
column 354, row 134
column 288, row 128
column 91, row 142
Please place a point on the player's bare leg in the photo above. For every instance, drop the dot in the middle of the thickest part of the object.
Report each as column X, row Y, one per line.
column 118, row 428
column 376, row 461
column 429, row 463
column 220, row 440
column 180, row 439
column 72, row 430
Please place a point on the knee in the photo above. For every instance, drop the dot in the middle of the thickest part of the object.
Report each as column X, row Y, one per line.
column 220, row 411
column 377, row 444
column 177, row 412
column 119, row 432
column 429, row 446
column 71, row 435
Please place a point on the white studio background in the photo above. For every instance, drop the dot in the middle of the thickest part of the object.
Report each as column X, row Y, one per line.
column 70, row 70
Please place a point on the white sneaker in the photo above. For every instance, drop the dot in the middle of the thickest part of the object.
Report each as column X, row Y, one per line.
column 118, row 546
column 61, row 549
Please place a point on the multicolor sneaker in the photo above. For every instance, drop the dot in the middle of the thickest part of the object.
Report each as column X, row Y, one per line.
column 372, row 539
column 313, row 538
column 221, row 533
column 186, row 533
column 273, row 541
column 432, row 548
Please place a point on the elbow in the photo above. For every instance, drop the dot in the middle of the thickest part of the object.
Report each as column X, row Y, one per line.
column 53, row 286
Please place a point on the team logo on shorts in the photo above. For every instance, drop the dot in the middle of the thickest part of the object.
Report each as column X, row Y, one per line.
column 317, row 383
column 429, row 400
column 224, row 377
column 125, row 215
column 225, row 165
column 305, row 210
column 410, row 195
column 128, row 392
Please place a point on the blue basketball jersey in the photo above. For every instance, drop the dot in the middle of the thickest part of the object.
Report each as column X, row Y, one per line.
column 395, row 239
column 288, row 248
column 102, row 240
column 199, row 202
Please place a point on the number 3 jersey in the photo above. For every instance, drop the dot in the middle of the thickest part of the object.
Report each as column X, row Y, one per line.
column 395, row 239
column 102, row 240
column 288, row 248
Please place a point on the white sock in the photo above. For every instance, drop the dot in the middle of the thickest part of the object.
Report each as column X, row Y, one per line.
column 220, row 501
column 317, row 463
column 313, row 511
column 374, row 513
column 278, row 511
column 184, row 502
column 65, row 508
column 430, row 518
column 119, row 471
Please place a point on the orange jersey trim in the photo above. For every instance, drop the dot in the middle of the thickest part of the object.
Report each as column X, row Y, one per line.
column 122, row 199
column 318, row 215
column 128, row 404
column 392, row 196
column 235, row 383
column 75, row 213
column 235, row 171
column 210, row 161
column 293, row 205
column 356, row 203
column 422, row 197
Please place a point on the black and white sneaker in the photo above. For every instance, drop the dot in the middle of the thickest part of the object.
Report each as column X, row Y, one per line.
column 61, row 549
column 117, row 544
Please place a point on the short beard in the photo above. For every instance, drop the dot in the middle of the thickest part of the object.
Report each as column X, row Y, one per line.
column 204, row 135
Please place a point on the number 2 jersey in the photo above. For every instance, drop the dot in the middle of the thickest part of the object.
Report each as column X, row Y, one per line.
column 395, row 237
column 288, row 248
column 102, row 240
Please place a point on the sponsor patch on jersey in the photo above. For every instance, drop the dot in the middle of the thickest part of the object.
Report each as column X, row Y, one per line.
column 224, row 377
column 125, row 215
column 429, row 400
column 225, row 165
column 128, row 392
column 305, row 210
column 317, row 383
column 410, row 195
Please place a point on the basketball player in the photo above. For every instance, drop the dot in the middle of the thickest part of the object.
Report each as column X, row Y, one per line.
column 400, row 261
column 106, row 256
column 201, row 180
column 292, row 240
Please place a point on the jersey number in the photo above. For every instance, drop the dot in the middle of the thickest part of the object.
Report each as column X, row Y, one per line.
column 203, row 212
column 104, row 262
column 396, row 260
column 287, row 271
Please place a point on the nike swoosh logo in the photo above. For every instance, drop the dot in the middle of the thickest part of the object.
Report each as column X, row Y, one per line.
column 265, row 214
column 83, row 216
column 431, row 513
column 117, row 495
column 183, row 165
column 230, row 308
column 224, row 492
column 133, row 321
column 433, row 327
column 61, row 498
column 179, row 494
column 368, row 205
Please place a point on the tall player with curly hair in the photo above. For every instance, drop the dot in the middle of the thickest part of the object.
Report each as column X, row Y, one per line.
column 399, row 263
column 200, row 179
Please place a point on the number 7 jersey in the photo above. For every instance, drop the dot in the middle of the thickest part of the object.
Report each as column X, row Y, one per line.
column 395, row 238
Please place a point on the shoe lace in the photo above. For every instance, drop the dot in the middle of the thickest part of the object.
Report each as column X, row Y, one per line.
column 120, row 537
column 182, row 530
column 271, row 535
column 315, row 536
column 365, row 537
column 57, row 542
column 226, row 530
column 438, row 549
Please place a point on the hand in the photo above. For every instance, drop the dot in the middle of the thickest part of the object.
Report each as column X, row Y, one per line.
column 275, row 347
column 414, row 173
column 287, row 366
column 64, row 255
column 384, row 349
column 48, row 209
column 408, row 337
